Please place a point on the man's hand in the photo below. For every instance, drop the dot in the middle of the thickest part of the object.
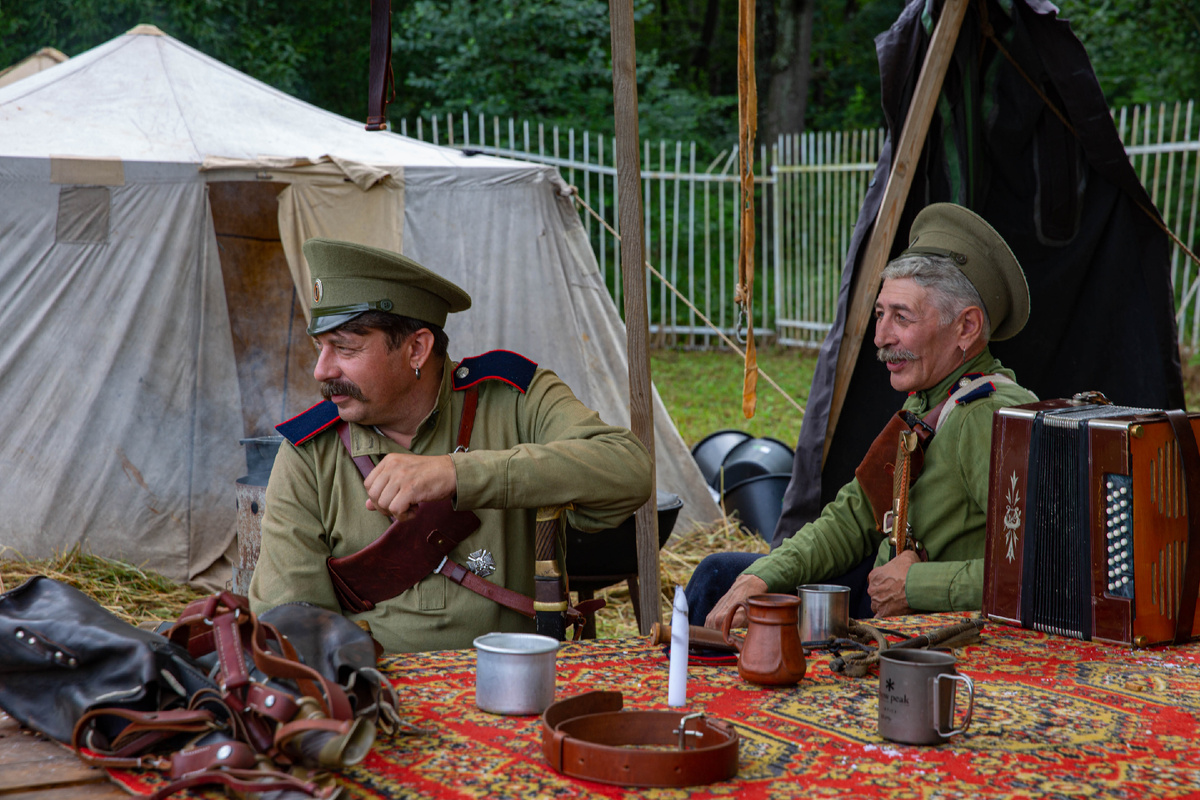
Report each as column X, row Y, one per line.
column 743, row 587
column 401, row 481
column 885, row 585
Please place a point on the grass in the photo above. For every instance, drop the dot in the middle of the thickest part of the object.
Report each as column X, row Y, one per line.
column 702, row 390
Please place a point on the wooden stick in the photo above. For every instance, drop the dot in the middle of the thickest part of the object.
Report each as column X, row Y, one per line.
column 637, row 324
column 660, row 633
column 904, row 163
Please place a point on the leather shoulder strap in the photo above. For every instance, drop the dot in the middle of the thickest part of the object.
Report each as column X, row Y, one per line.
column 465, row 425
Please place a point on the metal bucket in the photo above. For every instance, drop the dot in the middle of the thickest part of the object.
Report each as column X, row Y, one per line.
column 251, row 502
column 515, row 672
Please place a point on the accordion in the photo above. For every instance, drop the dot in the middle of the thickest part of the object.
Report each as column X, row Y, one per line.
column 1089, row 520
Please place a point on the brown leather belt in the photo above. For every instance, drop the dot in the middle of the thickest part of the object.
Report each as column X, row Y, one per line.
column 588, row 736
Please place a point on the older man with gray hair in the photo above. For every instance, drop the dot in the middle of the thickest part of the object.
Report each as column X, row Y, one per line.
column 956, row 287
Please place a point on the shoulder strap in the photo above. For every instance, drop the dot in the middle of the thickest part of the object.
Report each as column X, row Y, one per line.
column 982, row 386
column 465, row 425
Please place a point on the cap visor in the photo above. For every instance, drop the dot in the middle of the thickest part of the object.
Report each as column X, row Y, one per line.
column 329, row 322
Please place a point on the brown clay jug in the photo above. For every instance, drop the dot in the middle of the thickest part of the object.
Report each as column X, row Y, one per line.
column 770, row 654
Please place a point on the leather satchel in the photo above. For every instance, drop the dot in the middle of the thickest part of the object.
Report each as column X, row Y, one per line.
column 218, row 697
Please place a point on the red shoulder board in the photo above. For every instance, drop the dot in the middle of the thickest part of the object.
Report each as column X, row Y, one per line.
column 497, row 365
column 304, row 426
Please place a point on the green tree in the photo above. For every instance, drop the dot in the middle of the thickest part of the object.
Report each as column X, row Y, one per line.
column 544, row 60
column 319, row 55
column 1143, row 51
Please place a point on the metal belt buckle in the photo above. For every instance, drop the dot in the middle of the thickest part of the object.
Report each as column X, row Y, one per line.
column 684, row 732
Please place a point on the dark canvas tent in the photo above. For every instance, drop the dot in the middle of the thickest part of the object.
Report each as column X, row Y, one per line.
column 1061, row 191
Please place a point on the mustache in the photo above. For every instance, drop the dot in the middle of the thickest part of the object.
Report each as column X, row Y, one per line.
column 330, row 388
column 889, row 355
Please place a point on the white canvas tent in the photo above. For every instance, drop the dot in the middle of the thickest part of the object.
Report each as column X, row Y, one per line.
column 152, row 203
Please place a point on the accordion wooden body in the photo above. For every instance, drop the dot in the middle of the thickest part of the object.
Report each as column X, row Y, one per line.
column 1088, row 522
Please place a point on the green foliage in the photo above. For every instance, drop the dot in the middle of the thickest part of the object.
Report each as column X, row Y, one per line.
column 844, row 92
column 317, row 51
column 545, row 60
column 1143, row 51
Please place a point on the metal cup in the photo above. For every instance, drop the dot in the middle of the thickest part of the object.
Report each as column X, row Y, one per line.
column 824, row 612
column 515, row 672
column 916, row 696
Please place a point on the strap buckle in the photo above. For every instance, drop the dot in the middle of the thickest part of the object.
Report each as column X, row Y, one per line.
column 684, row 732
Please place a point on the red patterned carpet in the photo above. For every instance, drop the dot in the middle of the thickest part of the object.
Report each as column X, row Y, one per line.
column 1054, row 718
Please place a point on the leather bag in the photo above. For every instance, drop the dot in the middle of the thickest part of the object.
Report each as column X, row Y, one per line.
column 264, row 706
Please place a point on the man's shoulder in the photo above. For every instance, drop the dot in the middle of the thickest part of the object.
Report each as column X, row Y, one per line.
column 307, row 425
column 502, row 366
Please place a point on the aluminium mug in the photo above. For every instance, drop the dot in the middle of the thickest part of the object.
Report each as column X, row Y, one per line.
column 917, row 690
column 824, row 612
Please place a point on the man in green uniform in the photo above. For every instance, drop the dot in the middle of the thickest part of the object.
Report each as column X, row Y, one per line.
column 377, row 321
column 957, row 286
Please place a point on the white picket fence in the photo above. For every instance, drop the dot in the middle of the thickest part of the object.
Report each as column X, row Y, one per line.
column 808, row 191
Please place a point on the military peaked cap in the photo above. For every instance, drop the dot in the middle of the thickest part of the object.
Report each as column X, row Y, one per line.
column 949, row 230
column 349, row 279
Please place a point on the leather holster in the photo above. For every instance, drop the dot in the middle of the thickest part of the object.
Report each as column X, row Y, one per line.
column 407, row 551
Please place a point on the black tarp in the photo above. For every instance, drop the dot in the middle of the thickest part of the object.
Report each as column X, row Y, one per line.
column 1066, row 200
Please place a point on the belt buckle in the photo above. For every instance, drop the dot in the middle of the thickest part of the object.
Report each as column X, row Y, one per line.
column 684, row 732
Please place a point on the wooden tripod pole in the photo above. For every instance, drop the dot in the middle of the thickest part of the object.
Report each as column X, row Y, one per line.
column 637, row 320
column 905, row 155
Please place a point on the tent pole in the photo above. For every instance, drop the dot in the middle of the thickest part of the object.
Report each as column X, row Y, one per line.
column 637, row 327
column 895, row 193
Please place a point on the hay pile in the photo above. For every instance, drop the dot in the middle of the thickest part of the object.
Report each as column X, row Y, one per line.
column 677, row 559
column 140, row 596
column 132, row 594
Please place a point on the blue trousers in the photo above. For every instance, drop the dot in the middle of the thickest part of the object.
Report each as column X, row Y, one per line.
column 717, row 572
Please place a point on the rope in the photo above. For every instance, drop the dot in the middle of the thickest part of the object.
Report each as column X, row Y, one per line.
column 990, row 33
column 574, row 191
column 747, row 128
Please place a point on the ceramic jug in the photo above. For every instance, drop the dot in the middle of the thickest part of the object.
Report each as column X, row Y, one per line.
column 770, row 654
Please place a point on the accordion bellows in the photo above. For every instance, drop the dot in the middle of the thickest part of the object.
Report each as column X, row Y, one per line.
column 1088, row 522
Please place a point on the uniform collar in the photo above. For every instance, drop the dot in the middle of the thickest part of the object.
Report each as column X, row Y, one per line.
column 442, row 406
column 929, row 398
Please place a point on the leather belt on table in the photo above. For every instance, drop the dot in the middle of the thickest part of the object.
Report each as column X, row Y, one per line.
column 588, row 736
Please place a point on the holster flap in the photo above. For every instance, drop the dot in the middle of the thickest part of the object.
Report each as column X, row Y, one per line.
column 406, row 552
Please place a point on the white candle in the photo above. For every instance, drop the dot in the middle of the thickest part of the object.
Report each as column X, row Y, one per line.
column 677, row 679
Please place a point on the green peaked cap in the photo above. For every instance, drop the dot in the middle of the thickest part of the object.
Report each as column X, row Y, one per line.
column 949, row 230
column 349, row 278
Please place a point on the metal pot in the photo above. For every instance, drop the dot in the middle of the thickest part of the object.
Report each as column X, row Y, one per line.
column 514, row 672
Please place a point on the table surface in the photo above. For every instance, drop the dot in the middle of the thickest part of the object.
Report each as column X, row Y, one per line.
column 1054, row 718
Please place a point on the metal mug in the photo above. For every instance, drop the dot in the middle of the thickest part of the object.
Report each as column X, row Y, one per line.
column 515, row 672
column 917, row 689
column 824, row 612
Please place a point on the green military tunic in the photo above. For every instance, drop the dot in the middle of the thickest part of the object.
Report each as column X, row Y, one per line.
column 540, row 448
column 947, row 508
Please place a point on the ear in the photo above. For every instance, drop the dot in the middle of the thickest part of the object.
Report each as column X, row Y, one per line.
column 420, row 348
column 970, row 326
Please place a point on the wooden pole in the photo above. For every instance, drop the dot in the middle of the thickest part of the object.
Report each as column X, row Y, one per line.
column 637, row 319
column 904, row 163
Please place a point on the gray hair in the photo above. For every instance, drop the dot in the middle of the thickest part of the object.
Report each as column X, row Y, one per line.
column 951, row 290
